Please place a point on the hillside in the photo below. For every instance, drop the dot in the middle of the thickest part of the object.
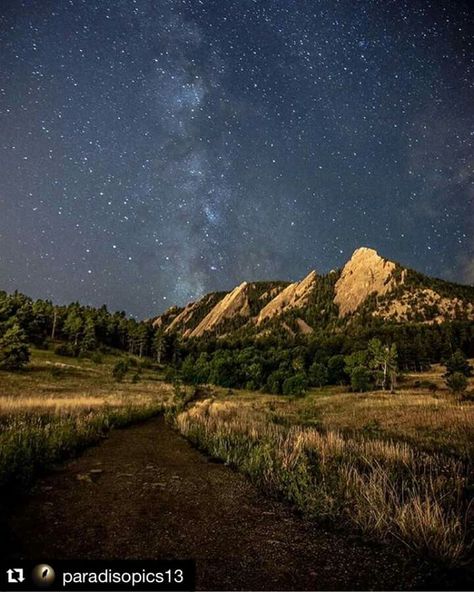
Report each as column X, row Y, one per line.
column 367, row 286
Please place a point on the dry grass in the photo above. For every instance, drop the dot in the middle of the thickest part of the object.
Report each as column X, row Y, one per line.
column 394, row 466
column 54, row 409
column 387, row 489
column 430, row 421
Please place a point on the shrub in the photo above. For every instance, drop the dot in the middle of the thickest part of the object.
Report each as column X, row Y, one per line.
column 295, row 385
column 57, row 372
column 458, row 363
column 96, row 357
column 120, row 369
column 318, row 374
column 457, row 383
column 336, row 370
column 360, row 379
column 275, row 382
column 14, row 350
column 66, row 350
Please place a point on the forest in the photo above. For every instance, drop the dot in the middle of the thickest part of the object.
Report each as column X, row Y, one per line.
column 369, row 353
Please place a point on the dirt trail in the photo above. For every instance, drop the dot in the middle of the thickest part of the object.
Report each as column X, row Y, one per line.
column 146, row 493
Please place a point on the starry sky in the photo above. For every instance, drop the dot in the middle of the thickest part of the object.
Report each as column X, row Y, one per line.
column 155, row 150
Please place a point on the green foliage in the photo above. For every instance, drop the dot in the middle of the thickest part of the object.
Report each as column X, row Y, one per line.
column 336, row 370
column 355, row 360
column 318, row 374
column 14, row 350
column 88, row 342
column 295, row 385
column 187, row 371
column 65, row 349
column 73, row 326
column 223, row 370
column 120, row 369
column 266, row 363
column 360, row 379
column 458, row 364
column 275, row 382
column 84, row 328
column 456, row 382
column 383, row 362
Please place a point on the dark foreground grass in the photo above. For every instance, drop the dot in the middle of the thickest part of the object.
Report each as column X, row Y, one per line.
column 58, row 406
column 30, row 442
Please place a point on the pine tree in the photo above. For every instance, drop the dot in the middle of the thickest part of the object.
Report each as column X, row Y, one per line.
column 14, row 350
column 458, row 363
column 89, row 341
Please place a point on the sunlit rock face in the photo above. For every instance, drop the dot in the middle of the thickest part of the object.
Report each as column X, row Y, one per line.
column 365, row 273
column 295, row 295
column 234, row 303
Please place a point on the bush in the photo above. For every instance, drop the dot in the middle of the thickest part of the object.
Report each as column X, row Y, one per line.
column 336, row 370
column 318, row 374
column 295, row 385
column 457, row 383
column 66, row 350
column 458, row 363
column 360, row 379
column 275, row 382
column 96, row 357
column 120, row 369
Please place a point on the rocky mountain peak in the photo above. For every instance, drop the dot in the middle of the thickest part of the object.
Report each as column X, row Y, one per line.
column 295, row 295
column 234, row 303
column 365, row 273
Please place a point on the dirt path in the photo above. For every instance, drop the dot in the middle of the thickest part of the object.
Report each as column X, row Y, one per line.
column 146, row 493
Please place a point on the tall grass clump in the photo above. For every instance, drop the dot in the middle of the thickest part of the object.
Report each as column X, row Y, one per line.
column 32, row 440
column 385, row 489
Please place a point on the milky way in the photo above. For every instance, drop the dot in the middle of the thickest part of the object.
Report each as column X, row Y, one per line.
column 154, row 150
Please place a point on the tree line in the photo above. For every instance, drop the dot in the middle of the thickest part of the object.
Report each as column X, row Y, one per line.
column 367, row 353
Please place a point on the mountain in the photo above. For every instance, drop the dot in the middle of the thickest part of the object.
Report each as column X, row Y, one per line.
column 368, row 286
column 364, row 274
column 294, row 296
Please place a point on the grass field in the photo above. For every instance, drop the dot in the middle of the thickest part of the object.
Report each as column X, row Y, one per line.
column 394, row 466
column 57, row 406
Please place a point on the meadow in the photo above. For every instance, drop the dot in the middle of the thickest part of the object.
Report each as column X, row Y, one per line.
column 395, row 467
column 57, row 406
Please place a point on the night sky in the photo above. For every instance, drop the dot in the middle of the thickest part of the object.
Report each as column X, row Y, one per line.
column 155, row 150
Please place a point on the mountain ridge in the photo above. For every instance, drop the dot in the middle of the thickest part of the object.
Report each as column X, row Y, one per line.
column 367, row 284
